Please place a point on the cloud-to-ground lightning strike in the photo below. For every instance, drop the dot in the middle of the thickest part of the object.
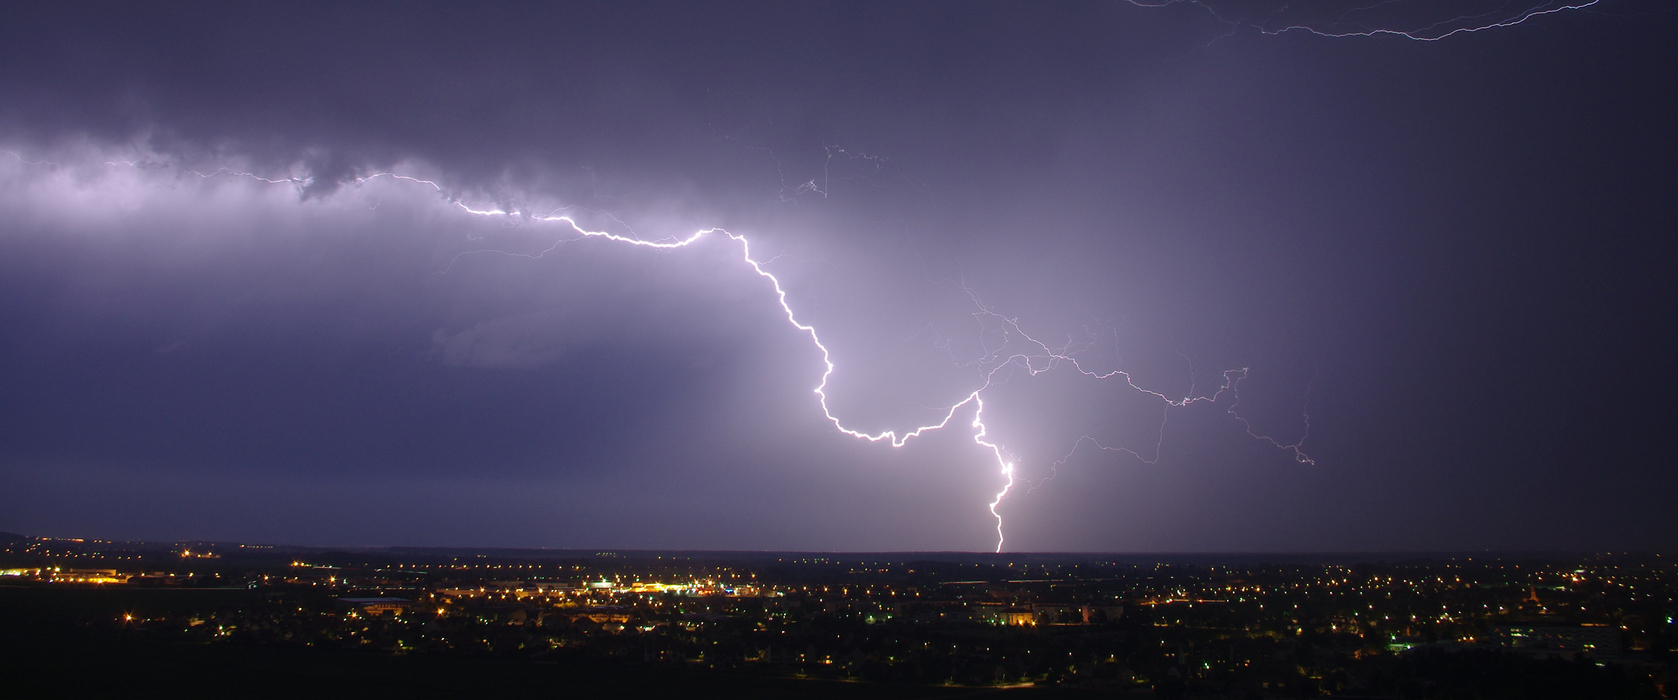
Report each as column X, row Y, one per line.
column 1047, row 357
column 1036, row 358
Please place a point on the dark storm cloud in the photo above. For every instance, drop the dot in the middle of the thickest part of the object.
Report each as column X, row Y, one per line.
column 1453, row 250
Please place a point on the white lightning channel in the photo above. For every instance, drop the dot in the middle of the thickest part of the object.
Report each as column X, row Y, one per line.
column 1038, row 359
column 1461, row 24
column 1041, row 359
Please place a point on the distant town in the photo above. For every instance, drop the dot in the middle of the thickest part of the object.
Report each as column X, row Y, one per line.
column 1247, row 626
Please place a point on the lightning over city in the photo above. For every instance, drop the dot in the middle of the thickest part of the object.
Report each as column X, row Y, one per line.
column 1184, row 349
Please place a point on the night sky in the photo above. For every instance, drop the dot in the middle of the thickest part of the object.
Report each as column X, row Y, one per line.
column 1446, row 265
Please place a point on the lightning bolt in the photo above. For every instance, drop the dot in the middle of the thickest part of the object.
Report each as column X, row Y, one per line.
column 1041, row 360
column 1498, row 18
column 996, row 362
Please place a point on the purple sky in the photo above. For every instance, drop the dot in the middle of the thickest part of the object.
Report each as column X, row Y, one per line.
column 1453, row 255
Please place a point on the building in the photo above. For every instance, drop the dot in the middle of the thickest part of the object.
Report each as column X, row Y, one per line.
column 1017, row 617
column 1599, row 640
column 375, row 607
